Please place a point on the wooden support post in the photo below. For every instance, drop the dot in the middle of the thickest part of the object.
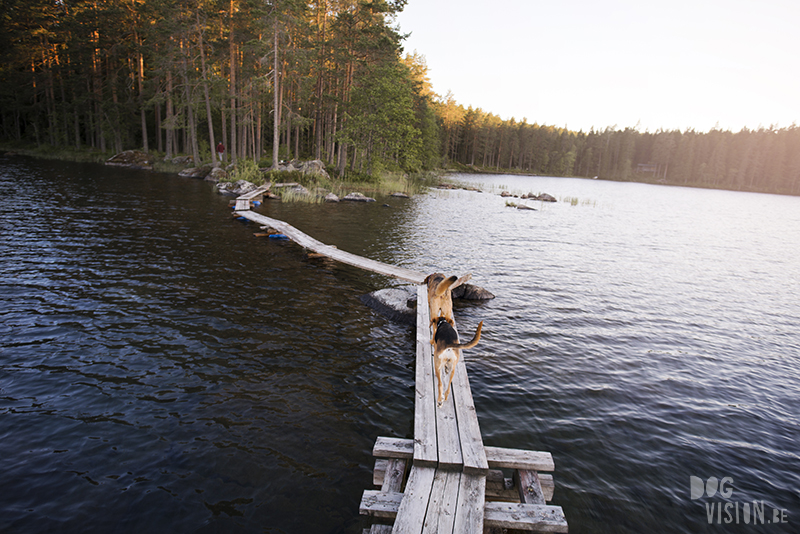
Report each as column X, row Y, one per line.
column 529, row 487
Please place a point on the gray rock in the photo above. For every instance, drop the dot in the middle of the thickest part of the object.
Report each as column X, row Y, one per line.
column 399, row 195
column 217, row 175
column 395, row 303
column 330, row 197
column 182, row 160
column 471, row 292
column 358, row 197
column 196, row 172
column 235, row 188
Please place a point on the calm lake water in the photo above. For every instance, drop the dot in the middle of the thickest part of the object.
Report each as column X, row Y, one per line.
column 162, row 370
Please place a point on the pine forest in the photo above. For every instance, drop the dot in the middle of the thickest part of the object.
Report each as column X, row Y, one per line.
column 278, row 80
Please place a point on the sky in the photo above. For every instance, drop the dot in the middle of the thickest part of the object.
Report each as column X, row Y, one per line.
column 582, row 64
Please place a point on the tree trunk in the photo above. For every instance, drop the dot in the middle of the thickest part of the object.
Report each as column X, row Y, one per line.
column 276, row 113
column 211, row 140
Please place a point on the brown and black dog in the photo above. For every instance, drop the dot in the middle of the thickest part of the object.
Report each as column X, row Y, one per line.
column 447, row 349
column 446, row 353
column 440, row 298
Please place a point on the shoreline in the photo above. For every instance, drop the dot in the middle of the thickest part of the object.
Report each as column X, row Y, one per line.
column 437, row 176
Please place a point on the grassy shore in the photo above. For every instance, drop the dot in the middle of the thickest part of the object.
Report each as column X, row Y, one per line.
column 385, row 183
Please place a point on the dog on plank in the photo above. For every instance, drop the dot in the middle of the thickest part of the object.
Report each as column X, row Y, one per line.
column 446, row 353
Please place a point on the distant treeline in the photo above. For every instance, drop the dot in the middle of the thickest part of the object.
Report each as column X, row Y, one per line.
column 325, row 79
column 765, row 160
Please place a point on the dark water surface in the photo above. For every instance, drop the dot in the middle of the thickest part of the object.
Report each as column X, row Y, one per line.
column 162, row 370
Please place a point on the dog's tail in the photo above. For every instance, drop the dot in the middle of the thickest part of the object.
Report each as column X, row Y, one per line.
column 471, row 343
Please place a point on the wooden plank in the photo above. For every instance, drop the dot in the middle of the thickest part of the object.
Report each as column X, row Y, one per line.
column 447, row 438
column 532, row 517
column 443, row 503
column 425, row 447
column 519, row 459
column 379, row 471
column 255, row 193
column 242, row 204
column 469, row 431
column 413, row 507
column 548, row 486
column 380, row 504
column 448, row 444
column 339, row 255
column 528, row 486
column 471, row 502
column 395, row 474
column 381, row 529
column 501, row 457
column 393, row 448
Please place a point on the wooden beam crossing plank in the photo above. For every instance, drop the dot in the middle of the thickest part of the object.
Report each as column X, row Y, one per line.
column 442, row 506
column 469, row 431
column 310, row 243
column 393, row 448
column 471, row 502
column 255, row 193
column 412, row 509
column 519, row 459
column 425, row 447
column 379, row 504
column 532, row 517
column 379, row 471
column 499, row 457
column 242, row 205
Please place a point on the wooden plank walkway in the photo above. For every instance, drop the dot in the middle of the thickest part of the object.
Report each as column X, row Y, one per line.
column 450, row 473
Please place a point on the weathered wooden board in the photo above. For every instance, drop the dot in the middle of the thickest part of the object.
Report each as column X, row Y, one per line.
column 471, row 502
column 242, row 204
column 496, row 457
column 425, row 445
column 310, row 243
column 255, row 193
column 530, row 490
column 412, row 509
column 394, row 475
column 380, row 504
column 519, row 459
column 393, row 448
column 469, row 431
column 533, row 517
column 442, row 506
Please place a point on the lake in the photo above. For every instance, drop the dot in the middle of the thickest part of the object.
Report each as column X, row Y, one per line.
column 163, row 370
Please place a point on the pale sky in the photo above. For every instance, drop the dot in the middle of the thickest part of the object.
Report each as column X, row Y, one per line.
column 579, row 64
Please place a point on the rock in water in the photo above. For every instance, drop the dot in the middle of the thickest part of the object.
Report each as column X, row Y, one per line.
column 471, row 292
column 393, row 303
column 358, row 197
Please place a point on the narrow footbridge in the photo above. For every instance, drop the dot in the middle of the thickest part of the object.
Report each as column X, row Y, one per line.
column 445, row 480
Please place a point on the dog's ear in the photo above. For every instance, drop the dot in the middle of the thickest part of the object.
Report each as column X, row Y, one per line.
column 445, row 285
column 461, row 280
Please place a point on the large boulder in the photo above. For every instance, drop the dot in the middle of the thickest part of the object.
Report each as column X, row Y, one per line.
column 236, row 188
column 134, row 159
column 197, row 172
column 471, row 292
column 398, row 304
column 315, row 167
column 217, row 175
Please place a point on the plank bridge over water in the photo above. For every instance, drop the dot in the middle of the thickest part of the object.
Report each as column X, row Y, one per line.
column 445, row 480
